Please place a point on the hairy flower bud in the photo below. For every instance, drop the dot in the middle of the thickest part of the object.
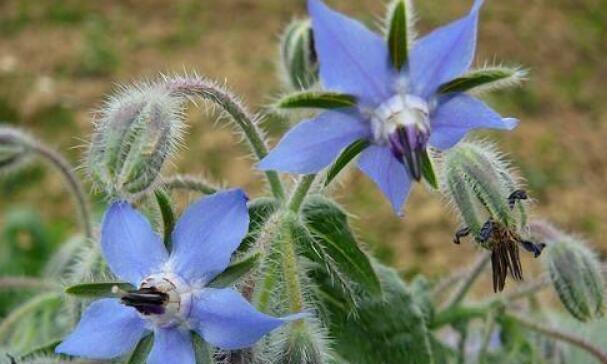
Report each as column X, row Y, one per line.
column 576, row 275
column 15, row 148
column 298, row 55
column 484, row 190
column 137, row 131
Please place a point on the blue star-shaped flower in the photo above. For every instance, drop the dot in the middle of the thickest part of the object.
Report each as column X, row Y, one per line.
column 172, row 298
column 399, row 109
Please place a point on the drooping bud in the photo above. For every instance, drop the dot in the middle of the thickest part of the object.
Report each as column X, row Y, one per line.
column 483, row 189
column 575, row 273
column 15, row 147
column 137, row 131
column 298, row 55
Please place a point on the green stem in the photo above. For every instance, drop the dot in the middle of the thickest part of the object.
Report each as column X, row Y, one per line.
column 62, row 165
column 290, row 269
column 302, row 189
column 168, row 215
column 557, row 334
column 190, row 183
column 24, row 283
column 207, row 90
column 489, row 327
column 465, row 286
column 461, row 345
column 267, row 286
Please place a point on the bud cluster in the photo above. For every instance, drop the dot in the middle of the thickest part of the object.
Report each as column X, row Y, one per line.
column 136, row 132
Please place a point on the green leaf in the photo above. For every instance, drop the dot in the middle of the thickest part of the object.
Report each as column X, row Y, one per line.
column 328, row 240
column 388, row 329
column 316, row 99
column 428, row 170
column 260, row 209
column 495, row 77
column 140, row 354
column 235, row 272
column 397, row 34
column 97, row 290
column 345, row 157
column 168, row 216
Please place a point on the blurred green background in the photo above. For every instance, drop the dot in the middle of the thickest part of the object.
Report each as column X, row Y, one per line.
column 59, row 58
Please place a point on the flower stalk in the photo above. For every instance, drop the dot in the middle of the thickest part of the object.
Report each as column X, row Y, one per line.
column 301, row 191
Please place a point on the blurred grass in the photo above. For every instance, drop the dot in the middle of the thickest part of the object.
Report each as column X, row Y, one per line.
column 59, row 58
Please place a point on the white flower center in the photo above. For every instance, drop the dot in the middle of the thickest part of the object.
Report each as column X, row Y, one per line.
column 408, row 111
column 176, row 300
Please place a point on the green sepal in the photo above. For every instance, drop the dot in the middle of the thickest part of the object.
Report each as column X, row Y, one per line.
column 349, row 153
column 428, row 170
column 97, row 290
column 143, row 348
column 203, row 352
column 482, row 77
column 316, row 99
column 260, row 210
column 235, row 272
column 397, row 35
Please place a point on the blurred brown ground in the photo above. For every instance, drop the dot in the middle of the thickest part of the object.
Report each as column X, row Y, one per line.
column 59, row 58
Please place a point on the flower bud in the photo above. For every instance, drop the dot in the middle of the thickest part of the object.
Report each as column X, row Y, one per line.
column 137, row 131
column 299, row 61
column 576, row 275
column 15, row 148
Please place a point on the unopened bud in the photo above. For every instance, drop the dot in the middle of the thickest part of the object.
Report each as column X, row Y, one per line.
column 138, row 130
column 576, row 275
column 15, row 148
column 299, row 60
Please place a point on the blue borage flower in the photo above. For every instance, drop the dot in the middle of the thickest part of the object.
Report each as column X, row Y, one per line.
column 399, row 109
column 172, row 298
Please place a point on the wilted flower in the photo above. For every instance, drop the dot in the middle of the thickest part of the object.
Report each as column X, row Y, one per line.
column 401, row 102
column 172, row 298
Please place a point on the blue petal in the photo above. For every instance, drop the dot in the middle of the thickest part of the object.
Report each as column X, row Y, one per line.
column 313, row 144
column 129, row 244
column 106, row 330
column 172, row 345
column 456, row 115
column 352, row 59
column 226, row 320
column 444, row 54
column 207, row 234
column 388, row 173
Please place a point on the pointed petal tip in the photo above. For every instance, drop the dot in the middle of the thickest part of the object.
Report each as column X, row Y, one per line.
column 510, row 123
column 477, row 6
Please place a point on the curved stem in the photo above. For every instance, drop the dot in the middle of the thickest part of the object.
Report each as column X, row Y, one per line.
column 465, row 286
column 557, row 334
column 299, row 195
column 190, row 183
column 61, row 164
column 196, row 86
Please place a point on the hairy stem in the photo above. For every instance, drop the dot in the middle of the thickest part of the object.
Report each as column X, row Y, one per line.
column 557, row 334
column 301, row 191
column 465, row 286
column 190, row 183
column 290, row 268
column 196, row 86
column 73, row 183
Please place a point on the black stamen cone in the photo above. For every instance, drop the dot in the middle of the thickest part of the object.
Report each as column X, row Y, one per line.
column 148, row 301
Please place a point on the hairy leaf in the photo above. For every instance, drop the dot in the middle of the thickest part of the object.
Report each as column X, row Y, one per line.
column 327, row 239
column 397, row 34
column 494, row 77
